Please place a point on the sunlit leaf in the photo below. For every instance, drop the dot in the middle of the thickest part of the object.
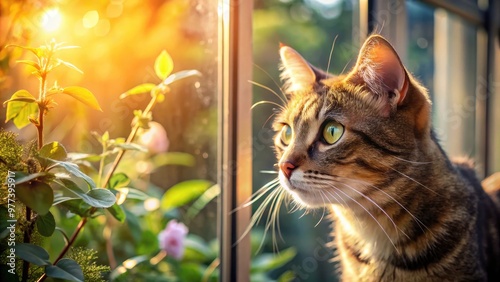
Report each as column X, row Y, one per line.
column 180, row 75
column 36, row 195
column 32, row 253
column 118, row 180
column 20, row 108
column 83, row 95
column 163, row 65
column 130, row 147
column 53, row 150
column 183, row 193
column 46, row 224
column 117, row 212
column 98, row 197
column 30, row 63
column 268, row 262
column 131, row 193
column 75, row 170
column 38, row 52
column 139, row 89
column 66, row 269
column 70, row 65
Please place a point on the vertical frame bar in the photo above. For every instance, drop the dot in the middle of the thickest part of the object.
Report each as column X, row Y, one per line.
column 492, row 24
column 235, row 144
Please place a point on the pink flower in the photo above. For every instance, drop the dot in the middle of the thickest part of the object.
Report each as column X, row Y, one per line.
column 171, row 239
column 155, row 138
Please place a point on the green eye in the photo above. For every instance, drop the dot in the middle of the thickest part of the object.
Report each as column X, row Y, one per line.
column 286, row 134
column 332, row 132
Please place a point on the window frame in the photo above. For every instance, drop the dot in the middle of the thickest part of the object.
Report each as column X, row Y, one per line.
column 235, row 141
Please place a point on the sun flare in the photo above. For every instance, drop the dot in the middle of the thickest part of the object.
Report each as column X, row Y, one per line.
column 51, row 20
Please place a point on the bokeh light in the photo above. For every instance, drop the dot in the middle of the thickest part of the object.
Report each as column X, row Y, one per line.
column 51, row 20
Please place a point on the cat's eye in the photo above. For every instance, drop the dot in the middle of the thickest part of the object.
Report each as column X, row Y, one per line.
column 332, row 132
column 286, row 134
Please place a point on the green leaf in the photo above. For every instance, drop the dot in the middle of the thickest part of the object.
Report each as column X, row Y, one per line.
column 22, row 177
column 37, row 195
column 117, row 212
column 126, row 265
column 30, row 63
column 66, row 269
column 287, row 276
column 118, row 180
column 53, row 150
column 83, row 95
column 180, row 75
column 190, row 272
column 130, row 147
column 139, row 89
column 134, row 226
column 75, row 170
column 173, row 158
column 46, row 224
column 98, row 197
column 77, row 206
column 130, row 193
column 203, row 200
column 196, row 249
column 32, row 253
column 268, row 262
column 183, row 193
column 163, row 65
column 20, row 108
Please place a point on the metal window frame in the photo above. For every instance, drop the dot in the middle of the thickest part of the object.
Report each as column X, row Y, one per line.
column 235, row 144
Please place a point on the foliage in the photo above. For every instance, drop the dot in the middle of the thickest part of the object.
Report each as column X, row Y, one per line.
column 52, row 192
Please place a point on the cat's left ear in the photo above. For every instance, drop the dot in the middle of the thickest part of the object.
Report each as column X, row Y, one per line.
column 298, row 74
column 380, row 69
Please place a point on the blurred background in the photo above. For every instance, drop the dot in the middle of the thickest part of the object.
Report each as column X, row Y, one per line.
column 445, row 44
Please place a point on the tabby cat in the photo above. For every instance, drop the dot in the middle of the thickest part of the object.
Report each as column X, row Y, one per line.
column 362, row 145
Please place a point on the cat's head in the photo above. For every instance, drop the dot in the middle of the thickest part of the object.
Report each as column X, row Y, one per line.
column 340, row 136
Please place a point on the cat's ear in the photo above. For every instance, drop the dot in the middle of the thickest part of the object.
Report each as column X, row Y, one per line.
column 296, row 71
column 379, row 68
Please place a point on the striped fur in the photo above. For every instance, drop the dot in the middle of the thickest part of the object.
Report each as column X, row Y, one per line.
column 402, row 210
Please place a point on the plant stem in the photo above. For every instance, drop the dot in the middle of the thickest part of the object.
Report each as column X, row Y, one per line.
column 118, row 158
column 130, row 138
column 79, row 228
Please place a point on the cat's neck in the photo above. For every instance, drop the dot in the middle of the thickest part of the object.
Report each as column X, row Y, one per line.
column 419, row 197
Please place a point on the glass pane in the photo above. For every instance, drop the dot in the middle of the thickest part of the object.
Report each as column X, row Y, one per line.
column 310, row 27
column 442, row 53
column 172, row 174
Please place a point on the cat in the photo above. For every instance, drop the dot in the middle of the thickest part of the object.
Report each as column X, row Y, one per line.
column 362, row 145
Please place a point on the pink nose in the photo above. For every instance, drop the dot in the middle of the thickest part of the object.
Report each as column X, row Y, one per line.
column 287, row 168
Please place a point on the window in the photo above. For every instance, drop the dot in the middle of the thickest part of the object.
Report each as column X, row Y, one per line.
column 450, row 46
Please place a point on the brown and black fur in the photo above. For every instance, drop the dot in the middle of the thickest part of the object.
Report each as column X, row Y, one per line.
column 402, row 210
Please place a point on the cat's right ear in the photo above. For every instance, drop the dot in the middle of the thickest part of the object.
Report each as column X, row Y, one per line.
column 295, row 71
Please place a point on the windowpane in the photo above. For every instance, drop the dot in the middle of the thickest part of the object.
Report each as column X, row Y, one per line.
column 310, row 27
column 443, row 55
column 119, row 43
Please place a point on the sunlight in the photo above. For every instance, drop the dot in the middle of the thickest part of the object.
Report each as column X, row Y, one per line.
column 51, row 20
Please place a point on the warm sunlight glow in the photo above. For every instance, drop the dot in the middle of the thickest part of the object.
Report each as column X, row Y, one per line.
column 90, row 19
column 51, row 20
